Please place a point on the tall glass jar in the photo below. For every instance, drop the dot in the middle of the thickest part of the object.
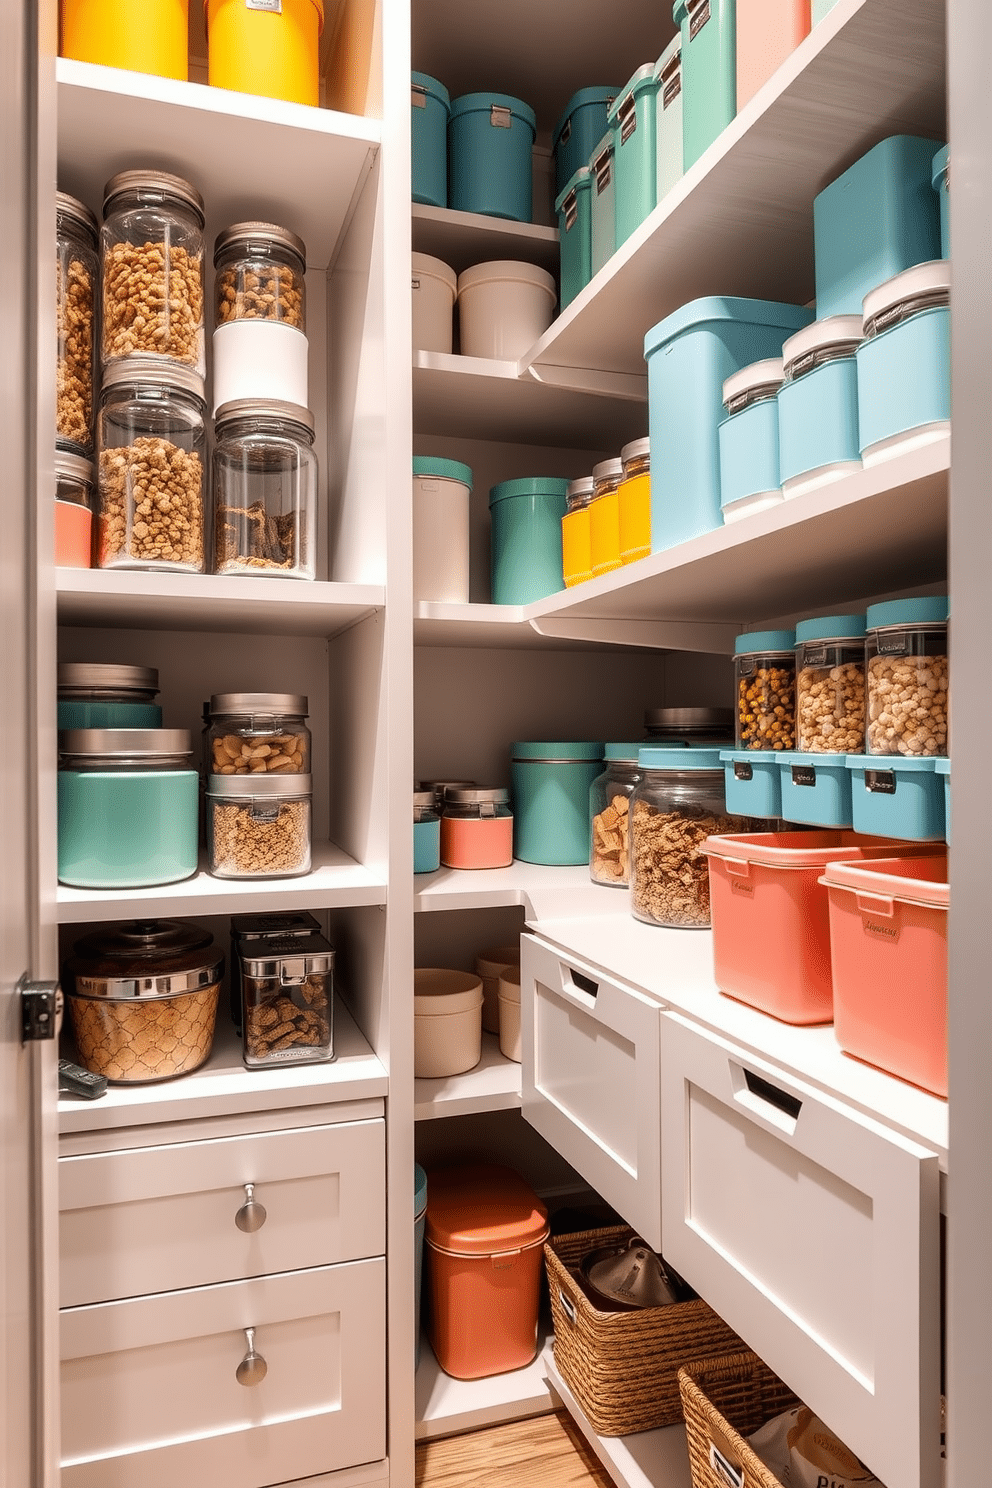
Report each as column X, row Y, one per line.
column 634, row 501
column 908, row 677
column 609, row 813
column 477, row 828
column 151, row 249
column 830, row 685
column 77, row 275
column 260, row 269
column 257, row 733
column 265, row 489
column 765, row 682
column 152, row 453
column 576, row 552
column 604, row 517
column 676, row 805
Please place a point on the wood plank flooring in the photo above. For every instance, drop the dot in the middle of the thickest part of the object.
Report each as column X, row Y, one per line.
column 543, row 1452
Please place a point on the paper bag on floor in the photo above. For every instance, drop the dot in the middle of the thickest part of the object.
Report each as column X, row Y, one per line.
column 803, row 1453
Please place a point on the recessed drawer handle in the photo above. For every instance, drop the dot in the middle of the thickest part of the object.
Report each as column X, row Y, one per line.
column 252, row 1215
column 764, row 1090
column 584, row 983
column 253, row 1368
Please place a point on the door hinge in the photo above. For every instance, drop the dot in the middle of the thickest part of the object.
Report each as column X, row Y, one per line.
column 41, row 1004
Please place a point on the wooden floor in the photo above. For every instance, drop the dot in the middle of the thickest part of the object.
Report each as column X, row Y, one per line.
column 543, row 1452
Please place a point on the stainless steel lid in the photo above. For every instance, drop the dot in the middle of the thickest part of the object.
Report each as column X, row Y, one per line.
column 291, row 922
column 156, row 372
column 289, row 960
column 90, row 674
column 269, row 786
column 74, row 468
column 125, row 743
column 78, row 213
column 635, row 450
column 689, row 718
column 260, row 704
column 273, row 408
column 244, row 235
column 145, row 958
column 608, row 469
column 154, row 186
column 424, row 798
column 476, row 795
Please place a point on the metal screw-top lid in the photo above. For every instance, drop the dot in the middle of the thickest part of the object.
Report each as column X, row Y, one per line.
column 125, row 743
column 145, row 958
column 440, row 786
column 159, row 372
column 260, row 704
column 265, row 408
column 90, row 674
column 287, row 922
column 78, row 213
column 424, row 798
column 244, row 235
column 288, row 960
column 635, row 450
column 688, row 718
column 608, row 469
column 154, row 186
column 74, row 468
column 281, row 785
column 477, row 796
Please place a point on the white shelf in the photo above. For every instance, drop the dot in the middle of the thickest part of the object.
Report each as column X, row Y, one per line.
column 446, row 1406
column 250, row 158
column 336, row 881
column 544, row 892
column 461, row 239
column 216, row 602
column 493, row 1085
column 486, row 625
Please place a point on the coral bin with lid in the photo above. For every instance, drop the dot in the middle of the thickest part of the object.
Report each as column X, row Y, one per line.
column 430, row 108
column 265, row 489
column 818, row 405
column 441, row 516
column 765, row 683
column 75, row 480
column 433, row 285
column 668, row 114
column 749, row 468
column 942, row 185
column 490, row 966
column 906, row 651
column 609, row 812
column 602, row 223
column 635, row 151
column 604, row 517
column 574, row 209
column 766, row 36
column 578, row 129
column 904, row 363
column 634, row 501
column 709, row 71
column 476, row 827
column 137, row 35
column 272, row 50
column 576, row 538
column 503, row 308
column 526, row 538
column 260, row 347
column 485, row 1236
column 490, row 139
column 550, row 784
column 95, row 695
column 677, row 804
column 447, row 1022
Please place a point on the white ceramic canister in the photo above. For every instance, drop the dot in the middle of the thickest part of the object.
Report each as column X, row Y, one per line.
column 490, row 965
column 441, row 520
column 503, row 308
column 509, row 1013
column 433, row 286
column 447, row 1022
column 261, row 360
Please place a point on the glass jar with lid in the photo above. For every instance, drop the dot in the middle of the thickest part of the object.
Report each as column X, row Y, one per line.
column 151, row 470
column 830, row 685
column 477, row 827
column 265, row 489
column 426, row 832
column 440, row 786
column 260, row 275
column 258, row 826
column 287, row 985
column 634, row 501
column 257, row 733
column 576, row 553
column 75, row 478
column 678, row 803
column 77, row 275
column 288, row 925
column 689, row 726
column 104, row 695
column 604, row 516
column 908, row 677
column 765, row 683
column 151, row 250
column 609, row 812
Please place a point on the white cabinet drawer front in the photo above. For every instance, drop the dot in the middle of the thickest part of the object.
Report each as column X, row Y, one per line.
column 150, row 1397
column 159, row 1218
column 590, row 1078
column 815, row 1232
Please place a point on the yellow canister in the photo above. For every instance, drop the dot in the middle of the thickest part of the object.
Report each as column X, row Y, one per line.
column 635, row 501
column 268, row 47
column 138, row 35
column 576, row 560
column 604, row 517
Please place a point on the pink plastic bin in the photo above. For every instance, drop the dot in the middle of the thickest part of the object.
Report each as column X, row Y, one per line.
column 888, row 938
column 767, row 31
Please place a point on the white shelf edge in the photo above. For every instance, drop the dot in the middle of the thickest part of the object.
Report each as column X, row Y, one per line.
column 542, row 891
column 478, row 222
column 446, row 1406
column 493, row 1085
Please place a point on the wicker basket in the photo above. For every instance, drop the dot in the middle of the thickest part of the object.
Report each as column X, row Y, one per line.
column 622, row 1367
column 726, row 1400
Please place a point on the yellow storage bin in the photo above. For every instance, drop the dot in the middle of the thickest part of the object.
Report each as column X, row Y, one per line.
column 269, row 47
column 138, row 35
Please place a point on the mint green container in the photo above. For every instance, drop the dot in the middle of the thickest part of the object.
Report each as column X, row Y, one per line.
column 95, row 695
column 526, row 538
column 668, row 112
column 602, row 198
column 941, row 184
column 822, row 8
column 709, row 72
column 577, row 131
column 550, row 788
column 635, row 151
column 574, row 208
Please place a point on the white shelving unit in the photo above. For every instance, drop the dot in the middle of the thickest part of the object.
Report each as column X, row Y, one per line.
column 446, row 1406
column 493, row 1085
column 461, row 239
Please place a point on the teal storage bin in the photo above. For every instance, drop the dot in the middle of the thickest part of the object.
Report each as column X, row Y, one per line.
column 941, row 184
column 426, row 832
column 943, row 769
column 690, row 355
column 709, row 72
column 602, row 213
column 75, row 713
column 668, row 113
column 526, row 538
column 818, row 405
column 816, row 789
column 107, row 695
column 875, row 220
column 822, row 8
column 550, row 789
column 635, row 151
column 574, row 209
column 419, row 1225
column 904, row 363
column 752, row 782
column 892, row 796
column 490, row 142
column 749, row 476
column 430, row 107
column 580, row 126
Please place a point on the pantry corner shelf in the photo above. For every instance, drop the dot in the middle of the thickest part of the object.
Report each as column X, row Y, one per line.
column 493, row 1085
column 461, row 239
column 446, row 1405
column 540, row 889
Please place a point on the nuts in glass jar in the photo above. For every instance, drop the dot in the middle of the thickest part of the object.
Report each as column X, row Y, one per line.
column 152, row 301
column 276, row 754
column 276, row 1021
column 670, row 875
column 766, row 706
column 907, row 705
column 830, row 709
column 74, row 385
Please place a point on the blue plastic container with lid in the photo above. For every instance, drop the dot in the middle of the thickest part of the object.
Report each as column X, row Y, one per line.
column 752, row 782
column 690, row 355
column 749, row 473
column 709, row 72
column 818, row 405
column 941, row 184
column 430, row 107
column 875, row 220
column 490, row 142
column 904, row 363
column 943, row 768
column 526, row 538
column 816, row 789
column 419, row 1225
column 578, row 129
column 574, row 209
column 892, row 796
column 602, row 211
column 550, row 788
column 635, row 151
column 668, row 114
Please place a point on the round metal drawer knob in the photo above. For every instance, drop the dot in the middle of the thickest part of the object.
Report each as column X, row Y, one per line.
column 252, row 1215
column 253, row 1368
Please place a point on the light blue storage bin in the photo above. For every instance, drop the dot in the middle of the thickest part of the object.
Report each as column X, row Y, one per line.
column 430, row 107
column 419, row 1225
column 943, row 768
column 603, row 190
column 526, row 538
column 893, row 796
column 635, row 151
column 550, row 790
column 490, row 144
column 752, row 783
column 749, row 478
column 668, row 113
column 941, row 184
column 709, row 72
column 822, row 8
column 574, row 209
column 816, row 789
column 875, row 220
column 904, row 362
column 818, row 405
column 580, row 126
column 690, row 355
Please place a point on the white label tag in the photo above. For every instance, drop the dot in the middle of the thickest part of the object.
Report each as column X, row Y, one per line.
column 726, row 1471
column 275, row 6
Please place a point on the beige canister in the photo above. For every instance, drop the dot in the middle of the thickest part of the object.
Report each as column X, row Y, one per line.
column 433, row 286
column 503, row 308
column 447, row 1022
column 509, row 1013
column 490, row 965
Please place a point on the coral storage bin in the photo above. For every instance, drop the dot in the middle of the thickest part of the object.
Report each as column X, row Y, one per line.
column 272, row 52
column 485, row 1233
column 430, row 106
column 447, row 1022
column 503, row 308
column 490, row 140
column 574, row 209
column 888, row 943
column 138, row 35
column 766, row 34
column 578, row 129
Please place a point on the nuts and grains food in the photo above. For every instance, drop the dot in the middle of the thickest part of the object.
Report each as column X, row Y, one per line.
column 153, row 302
column 143, row 1038
column 669, row 878
column 262, row 840
column 830, row 709
column 277, row 1021
column 610, row 860
column 907, row 705
column 250, row 537
column 151, row 504
column 260, row 292
column 269, row 754
column 766, row 708
column 74, row 385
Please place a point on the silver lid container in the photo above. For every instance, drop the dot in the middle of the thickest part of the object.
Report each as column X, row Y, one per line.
column 140, row 371
column 260, row 786
column 87, row 676
column 258, row 704
column 265, row 408
column 288, row 961
column 124, row 743
column 243, row 236
column 74, row 468
column 689, row 718
column 68, row 208
column 477, row 796
column 154, row 186
column 119, row 963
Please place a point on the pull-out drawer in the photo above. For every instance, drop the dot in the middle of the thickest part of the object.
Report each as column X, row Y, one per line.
column 590, row 1078
column 815, row 1232
column 151, row 1396
column 159, row 1218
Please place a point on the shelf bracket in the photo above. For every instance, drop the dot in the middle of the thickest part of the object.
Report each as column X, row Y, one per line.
column 632, row 387
column 654, row 635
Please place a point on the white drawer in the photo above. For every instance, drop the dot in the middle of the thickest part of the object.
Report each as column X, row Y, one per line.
column 815, row 1232
column 591, row 1078
column 159, row 1218
column 150, row 1397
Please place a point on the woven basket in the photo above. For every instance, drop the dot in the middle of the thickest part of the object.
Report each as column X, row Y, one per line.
column 622, row 1367
column 725, row 1400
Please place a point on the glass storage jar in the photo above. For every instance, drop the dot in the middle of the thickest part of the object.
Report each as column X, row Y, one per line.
column 258, row 826
column 908, row 677
column 151, row 251
column 257, row 733
column 604, row 516
column 609, row 811
column 634, row 501
column 152, row 453
column 75, row 478
column 576, row 553
column 476, row 827
column 287, row 985
column 102, row 695
column 291, row 924
column 260, row 275
column 830, row 685
column 678, row 803
column 265, row 489
column 440, row 786
column 426, row 832
column 765, row 683
column 690, row 726
column 77, row 275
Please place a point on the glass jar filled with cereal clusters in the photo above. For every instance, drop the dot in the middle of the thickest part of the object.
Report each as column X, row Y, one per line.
column 765, row 684
column 258, row 826
column 77, row 276
column 609, row 813
column 257, row 733
column 287, row 987
column 678, row 802
column 260, row 269
column 830, row 685
column 908, row 677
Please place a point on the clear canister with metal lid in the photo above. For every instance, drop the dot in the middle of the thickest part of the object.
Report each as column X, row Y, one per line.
column 576, row 540
column 77, row 280
column 426, row 832
column 265, row 489
column 285, row 925
column 260, row 347
column 476, row 827
column 908, row 677
column 690, row 727
column 604, row 516
column 765, row 683
column 257, row 733
column 75, row 480
column 830, row 685
column 96, row 695
column 634, row 501
column 678, row 802
column 609, row 814
column 258, row 826
column 287, row 987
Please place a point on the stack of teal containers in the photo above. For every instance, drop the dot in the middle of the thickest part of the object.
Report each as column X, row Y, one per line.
column 580, row 127
column 574, row 209
column 709, row 72
column 635, row 151
column 602, row 205
column 668, row 111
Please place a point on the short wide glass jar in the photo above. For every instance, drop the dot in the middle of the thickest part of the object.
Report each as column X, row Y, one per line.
column 765, row 683
column 257, row 733
column 908, row 677
column 258, row 826
column 609, row 812
column 265, row 490
column 676, row 805
column 477, row 827
column 830, row 685
column 76, row 288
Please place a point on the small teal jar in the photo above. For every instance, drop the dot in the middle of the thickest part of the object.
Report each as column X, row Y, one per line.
column 904, row 363
column 426, row 832
column 578, row 129
column 942, row 185
column 818, row 405
column 526, row 538
column 98, row 696
column 749, row 470
column 128, row 808
column 892, row 796
column 635, row 151
column 490, row 141
column 574, row 211
column 550, row 785
column 430, row 107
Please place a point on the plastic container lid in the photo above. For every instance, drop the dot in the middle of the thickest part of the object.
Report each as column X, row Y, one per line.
column 530, row 485
column 650, row 757
column 753, row 756
column 434, row 268
column 483, row 1211
column 438, row 992
column 78, row 212
column 908, row 880
column 720, row 307
column 931, row 609
column 273, row 408
column 831, row 628
column 481, row 103
column 940, row 163
column 768, row 374
column 820, row 761
column 841, row 334
column 929, row 284
column 580, row 181
column 152, row 184
column 892, row 763
column 260, row 785
column 105, row 675
column 608, row 469
column 125, row 743
column 424, row 83
column 582, row 99
column 507, row 271
column 812, row 849
column 432, row 465
column 264, row 704
column 672, row 51
column 943, row 767
column 622, row 751
column 642, row 79
column 265, row 234
column 635, row 450
column 764, row 641
column 419, row 1176
column 558, row 752
column 154, row 372
column 581, row 488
